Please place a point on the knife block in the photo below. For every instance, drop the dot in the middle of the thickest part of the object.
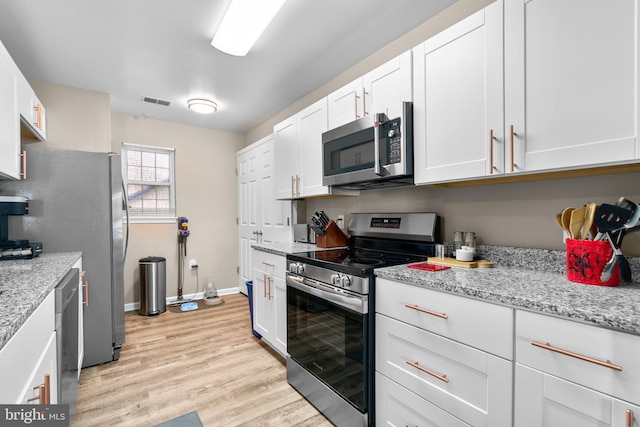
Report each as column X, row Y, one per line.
column 333, row 239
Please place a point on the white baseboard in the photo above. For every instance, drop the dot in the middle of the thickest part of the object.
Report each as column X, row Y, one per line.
column 132, row 306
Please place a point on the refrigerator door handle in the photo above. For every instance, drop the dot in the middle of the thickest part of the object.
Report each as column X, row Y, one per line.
column 125, row 202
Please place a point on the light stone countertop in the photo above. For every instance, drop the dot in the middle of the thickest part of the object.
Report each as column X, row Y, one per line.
column 534, row 279
column 24, row 284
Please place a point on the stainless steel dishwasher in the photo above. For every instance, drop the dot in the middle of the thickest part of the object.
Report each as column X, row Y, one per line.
column 67, row 339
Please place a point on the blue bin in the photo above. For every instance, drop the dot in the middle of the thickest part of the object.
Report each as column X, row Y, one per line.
column 250, row 295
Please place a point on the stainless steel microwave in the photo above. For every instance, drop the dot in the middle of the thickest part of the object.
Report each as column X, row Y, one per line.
column 372, row 152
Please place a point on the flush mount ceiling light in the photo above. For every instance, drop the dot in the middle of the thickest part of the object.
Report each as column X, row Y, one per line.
column 243, row 23
column 201, row 105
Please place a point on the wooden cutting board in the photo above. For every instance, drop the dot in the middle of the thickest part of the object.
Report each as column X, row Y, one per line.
column 482, row 263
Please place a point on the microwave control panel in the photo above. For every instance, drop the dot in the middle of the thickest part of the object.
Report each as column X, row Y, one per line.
column 394, row 141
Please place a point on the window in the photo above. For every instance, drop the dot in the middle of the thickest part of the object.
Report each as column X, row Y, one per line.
column 149, row 178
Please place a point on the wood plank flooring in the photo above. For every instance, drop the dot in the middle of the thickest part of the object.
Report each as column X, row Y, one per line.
column 205, row 360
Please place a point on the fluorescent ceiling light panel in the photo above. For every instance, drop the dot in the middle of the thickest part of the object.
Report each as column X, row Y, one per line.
column 243, row 23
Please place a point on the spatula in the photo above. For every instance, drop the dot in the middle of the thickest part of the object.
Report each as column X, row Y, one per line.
column 611, row 219
column 590, row 210
column 565, row 220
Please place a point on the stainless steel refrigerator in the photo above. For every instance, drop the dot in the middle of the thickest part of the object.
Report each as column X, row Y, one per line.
column 76, row 204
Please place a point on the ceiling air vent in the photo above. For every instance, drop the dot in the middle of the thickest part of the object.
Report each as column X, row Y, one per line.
column 156, row 101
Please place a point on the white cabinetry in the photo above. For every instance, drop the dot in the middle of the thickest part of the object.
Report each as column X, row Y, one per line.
column 433, row 348
column 261, row 218
column 270, row 299
column 18, row 104
column 568, row 373
column 298, row 148
column 458, row 100
column 571, row 83
column 380, row 91
column 29, row 356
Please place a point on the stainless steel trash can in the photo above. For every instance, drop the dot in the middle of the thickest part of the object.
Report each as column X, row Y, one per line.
column 153, row 286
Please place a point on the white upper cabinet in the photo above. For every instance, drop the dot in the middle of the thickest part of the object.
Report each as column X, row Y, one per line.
column 380, row 91
column 458, row 100
column 18, row 105
column 298, row 149
column 571, row 83
column 9, row 125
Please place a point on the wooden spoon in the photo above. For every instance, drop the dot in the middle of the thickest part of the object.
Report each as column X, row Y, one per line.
column 565, row 219
column 576, row 222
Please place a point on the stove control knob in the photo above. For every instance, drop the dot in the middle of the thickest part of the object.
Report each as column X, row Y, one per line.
column 292, row 267
column 335, row 279
column 345, row 281
column 300, row 268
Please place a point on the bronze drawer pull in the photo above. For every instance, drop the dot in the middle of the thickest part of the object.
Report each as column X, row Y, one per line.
column 442, row 377
column 629, row 422
column 424, row 310
column 606, row 364
column 491, row 167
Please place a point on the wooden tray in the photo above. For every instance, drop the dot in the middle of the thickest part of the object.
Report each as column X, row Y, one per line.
column 464, row 264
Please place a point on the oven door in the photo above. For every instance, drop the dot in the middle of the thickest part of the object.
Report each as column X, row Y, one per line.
column 327, row 334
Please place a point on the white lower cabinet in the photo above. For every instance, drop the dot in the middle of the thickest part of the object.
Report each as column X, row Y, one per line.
column 270, row 299
column 546, row 400
column 427, row 347
column 29, row 355
column 569, row 373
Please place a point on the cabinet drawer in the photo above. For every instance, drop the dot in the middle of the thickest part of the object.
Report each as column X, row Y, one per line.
column 486, row 326
column 595, row 357
column 22, row 353
column 269, row 263
column 468, row 383
column 397, row 406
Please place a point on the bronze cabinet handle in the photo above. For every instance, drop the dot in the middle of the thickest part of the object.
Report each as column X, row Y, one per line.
column 442, row 377
column 606, row 364
column 424, row 310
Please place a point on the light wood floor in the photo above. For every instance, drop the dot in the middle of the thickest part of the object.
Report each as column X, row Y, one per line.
column 205, row 360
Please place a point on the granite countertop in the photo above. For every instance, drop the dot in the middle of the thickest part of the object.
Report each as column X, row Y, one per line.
column 534, row 280
column 24, row 284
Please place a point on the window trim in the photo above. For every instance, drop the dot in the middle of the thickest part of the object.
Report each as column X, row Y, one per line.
column 152, row 219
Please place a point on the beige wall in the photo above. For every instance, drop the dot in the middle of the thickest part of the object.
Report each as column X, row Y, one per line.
column 77, row 119
column 206, row 194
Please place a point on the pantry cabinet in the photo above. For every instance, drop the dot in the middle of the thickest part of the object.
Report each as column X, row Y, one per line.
column 431, row 349
column 270, row 299
column 458, row 100
column 29, row 356
column 570, row 373
column 382, row 90
column 261, row 217
column 298, row 150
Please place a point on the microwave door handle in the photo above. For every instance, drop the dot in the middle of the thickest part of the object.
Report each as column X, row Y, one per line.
column 377, row 167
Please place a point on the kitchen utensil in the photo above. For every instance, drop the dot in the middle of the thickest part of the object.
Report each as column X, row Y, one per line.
column 611, row 220
column 325, row 218
column 590, row 210
column 633, row 207
column 575, row 222
column 566, row 219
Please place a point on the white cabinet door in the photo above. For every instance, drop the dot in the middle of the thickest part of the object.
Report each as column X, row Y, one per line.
column 287, row 151
column 279, row 290
column 545, row 400
column 47, row 366
column 458, row 105
column 9, row 122
column 248, row 208
column 571, row 83
column 81, row 288
column 386, row 87
column 346, row 104
column 312, row 123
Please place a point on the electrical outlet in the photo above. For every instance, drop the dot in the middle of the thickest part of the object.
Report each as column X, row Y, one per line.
column 340, row 221
column 192, row 264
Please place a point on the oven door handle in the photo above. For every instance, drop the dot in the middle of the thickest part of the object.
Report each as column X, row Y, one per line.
column 349, row 303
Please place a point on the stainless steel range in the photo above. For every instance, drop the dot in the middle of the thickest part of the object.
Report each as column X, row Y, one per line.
column 330, row 311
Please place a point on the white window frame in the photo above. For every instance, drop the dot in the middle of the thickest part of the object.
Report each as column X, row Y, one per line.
column 155, row 218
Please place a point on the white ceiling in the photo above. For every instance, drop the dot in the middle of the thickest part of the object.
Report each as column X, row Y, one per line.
column 161, row 49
